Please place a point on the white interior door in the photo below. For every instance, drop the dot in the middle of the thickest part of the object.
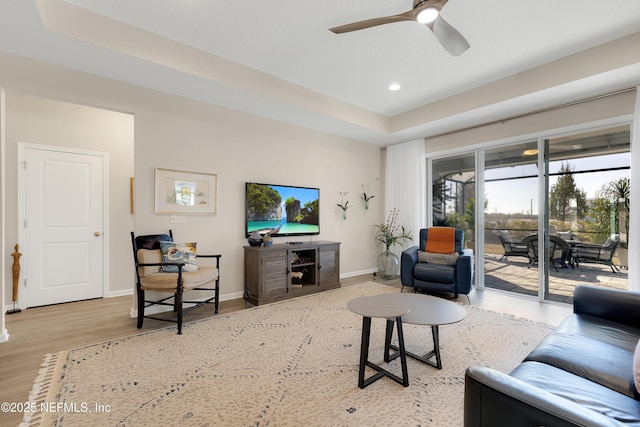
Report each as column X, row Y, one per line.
column 64, row 220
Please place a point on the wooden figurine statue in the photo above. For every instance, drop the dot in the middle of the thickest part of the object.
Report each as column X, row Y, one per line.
column 15, row 270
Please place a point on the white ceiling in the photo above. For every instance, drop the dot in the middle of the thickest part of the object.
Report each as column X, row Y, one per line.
column 278, row 59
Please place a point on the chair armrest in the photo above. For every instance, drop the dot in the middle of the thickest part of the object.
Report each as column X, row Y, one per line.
column 464, row 271
column 408, row 259
column 612, row 304
column 587, row 246
column 216, row 256
column 160, row 264
column 494, row 399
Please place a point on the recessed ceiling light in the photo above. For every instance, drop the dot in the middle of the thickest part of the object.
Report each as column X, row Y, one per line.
column 394, row 87
column 531, row 152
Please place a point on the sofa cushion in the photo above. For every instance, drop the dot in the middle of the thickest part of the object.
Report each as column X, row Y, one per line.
column 437, row 273
column 178, row 253
column 592, row 359
column 592, row 396
column 614, row 333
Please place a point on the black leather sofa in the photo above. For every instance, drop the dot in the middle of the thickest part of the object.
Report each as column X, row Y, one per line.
column 580, row 375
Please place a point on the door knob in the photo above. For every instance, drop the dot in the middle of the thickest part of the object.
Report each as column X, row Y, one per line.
column 97, row 234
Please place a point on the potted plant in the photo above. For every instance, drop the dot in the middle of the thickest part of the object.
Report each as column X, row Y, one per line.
column 390, row 233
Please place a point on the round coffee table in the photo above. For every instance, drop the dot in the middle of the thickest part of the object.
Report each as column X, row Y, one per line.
column 425, row 310
column 384, row 306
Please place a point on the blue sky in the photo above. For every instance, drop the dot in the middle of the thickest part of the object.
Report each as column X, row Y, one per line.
column 515, row 196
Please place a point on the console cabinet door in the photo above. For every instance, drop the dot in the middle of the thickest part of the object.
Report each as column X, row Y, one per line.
column 329, row 266
column 273, row 270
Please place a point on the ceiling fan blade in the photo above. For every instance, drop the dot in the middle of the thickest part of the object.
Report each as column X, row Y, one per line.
column 449, row 37
column 361, row 25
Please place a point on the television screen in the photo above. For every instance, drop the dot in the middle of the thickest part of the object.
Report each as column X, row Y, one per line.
column 282, row 210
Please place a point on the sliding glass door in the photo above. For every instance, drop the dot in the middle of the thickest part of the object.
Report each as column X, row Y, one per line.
column 511, row 198
column 453, row 194
column 546, row 206
column 589, row 185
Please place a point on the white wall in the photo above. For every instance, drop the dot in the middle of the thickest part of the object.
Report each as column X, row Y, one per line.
column 46, row 122
column 175, row 133
column 239, row 148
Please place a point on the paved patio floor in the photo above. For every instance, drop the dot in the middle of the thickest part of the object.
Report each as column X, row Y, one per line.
column 512, row 274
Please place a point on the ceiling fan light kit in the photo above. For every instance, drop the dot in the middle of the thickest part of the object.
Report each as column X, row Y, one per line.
column 426, row 12
column 427, row 15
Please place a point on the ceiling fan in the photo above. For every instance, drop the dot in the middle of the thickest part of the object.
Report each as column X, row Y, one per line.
column 426, row 12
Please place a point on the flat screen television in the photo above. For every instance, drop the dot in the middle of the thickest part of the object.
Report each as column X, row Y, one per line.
column 282, row 210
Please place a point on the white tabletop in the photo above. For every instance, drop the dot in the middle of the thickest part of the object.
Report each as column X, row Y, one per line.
column 383, row 305
column 428, row 310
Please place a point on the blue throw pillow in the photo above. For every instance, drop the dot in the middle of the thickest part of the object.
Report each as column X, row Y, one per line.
column 178, row 253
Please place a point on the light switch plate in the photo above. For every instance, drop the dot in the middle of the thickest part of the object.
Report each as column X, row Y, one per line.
column 178, row 219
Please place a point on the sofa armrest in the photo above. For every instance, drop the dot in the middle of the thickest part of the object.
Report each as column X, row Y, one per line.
column 494, row 399
column 408, row 259
column 612, row 304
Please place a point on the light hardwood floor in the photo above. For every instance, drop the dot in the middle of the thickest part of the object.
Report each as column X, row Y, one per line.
column 38, row 331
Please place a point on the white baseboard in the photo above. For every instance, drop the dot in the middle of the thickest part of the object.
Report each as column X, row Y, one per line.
column 358, row 273
column 121, row 293
column 4, row 337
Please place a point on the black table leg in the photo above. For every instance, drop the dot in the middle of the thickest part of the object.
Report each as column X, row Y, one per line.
column 381, row 372
column 364, row 349
column 403, row 353
column 426, row 358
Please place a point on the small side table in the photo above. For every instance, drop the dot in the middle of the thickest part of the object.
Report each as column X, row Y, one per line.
column 388, row 308
column 425, row 310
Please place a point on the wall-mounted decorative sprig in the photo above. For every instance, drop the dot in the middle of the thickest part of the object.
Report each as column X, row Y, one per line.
column 366, row 194
column 344, row 204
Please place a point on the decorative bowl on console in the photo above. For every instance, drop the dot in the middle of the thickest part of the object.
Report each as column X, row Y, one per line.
column 255, row 239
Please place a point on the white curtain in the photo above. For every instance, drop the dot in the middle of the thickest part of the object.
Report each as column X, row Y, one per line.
column 634, row 226
column 405, row 186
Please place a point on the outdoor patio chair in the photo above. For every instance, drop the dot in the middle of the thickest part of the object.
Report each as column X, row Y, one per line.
column 511, row 246
column 168, row 267
column 599, row 254
column 559, row 250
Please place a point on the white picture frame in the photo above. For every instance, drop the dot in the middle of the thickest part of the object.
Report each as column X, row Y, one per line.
column 186, row 193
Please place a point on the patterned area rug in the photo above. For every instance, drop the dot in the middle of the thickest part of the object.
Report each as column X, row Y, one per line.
column 293, row 363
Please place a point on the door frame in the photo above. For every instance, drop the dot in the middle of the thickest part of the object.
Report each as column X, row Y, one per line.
column 22, row 151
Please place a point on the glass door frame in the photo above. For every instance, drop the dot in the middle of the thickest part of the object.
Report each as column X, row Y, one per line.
column 543, row 191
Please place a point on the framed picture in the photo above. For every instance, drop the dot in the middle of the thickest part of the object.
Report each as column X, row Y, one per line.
column 182, row 192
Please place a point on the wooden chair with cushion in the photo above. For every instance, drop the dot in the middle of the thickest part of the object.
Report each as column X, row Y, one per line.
column 168, row 267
